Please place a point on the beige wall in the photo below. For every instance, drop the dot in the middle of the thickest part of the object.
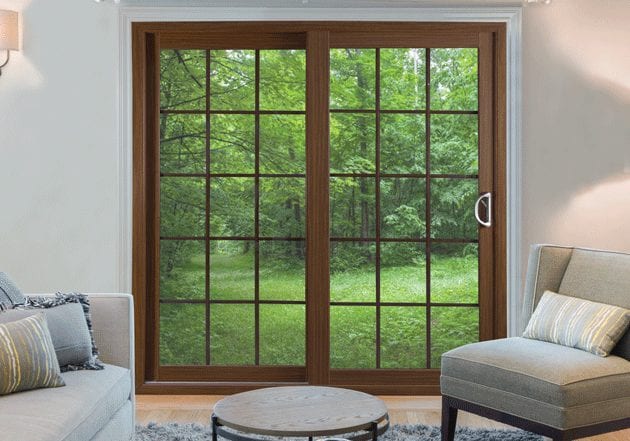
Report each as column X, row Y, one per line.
column 576, row 124
column 59, row 220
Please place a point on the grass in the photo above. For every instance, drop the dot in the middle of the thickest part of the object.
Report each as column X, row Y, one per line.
column 282, row 327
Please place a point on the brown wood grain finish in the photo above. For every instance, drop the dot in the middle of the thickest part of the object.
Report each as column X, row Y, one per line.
column 234, row 373
column 153, row 192
column 486, row 185
column 139, row 200
column 317, row 38
column 317, row 208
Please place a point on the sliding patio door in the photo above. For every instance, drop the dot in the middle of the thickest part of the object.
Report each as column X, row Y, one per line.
column 315, row 203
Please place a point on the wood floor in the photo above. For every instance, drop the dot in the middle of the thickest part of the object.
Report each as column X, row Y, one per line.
column 402, row 410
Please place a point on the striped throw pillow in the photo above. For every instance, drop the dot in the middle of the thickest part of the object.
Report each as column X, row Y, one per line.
column 578, row 323
column 27, row 356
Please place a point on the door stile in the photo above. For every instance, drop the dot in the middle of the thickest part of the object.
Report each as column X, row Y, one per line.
column 317, row 208
column 486, row 184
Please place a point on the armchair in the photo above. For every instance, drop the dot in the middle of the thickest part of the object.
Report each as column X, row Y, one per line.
column 556, row 391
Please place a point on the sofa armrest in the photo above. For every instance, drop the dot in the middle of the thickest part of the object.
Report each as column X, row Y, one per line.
column 112, row 322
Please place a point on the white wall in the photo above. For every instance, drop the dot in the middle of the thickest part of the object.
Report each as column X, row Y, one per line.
column 58, row 148
column 58, row 137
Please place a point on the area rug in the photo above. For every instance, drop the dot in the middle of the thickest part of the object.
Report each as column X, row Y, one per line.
column 196, row 432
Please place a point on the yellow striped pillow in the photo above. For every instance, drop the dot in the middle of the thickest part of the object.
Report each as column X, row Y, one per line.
column 27, row 356
column 578, row 323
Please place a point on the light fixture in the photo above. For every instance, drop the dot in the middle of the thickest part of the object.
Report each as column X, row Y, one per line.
column 9, row 40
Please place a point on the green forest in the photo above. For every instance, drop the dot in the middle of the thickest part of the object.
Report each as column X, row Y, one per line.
column 232, row 162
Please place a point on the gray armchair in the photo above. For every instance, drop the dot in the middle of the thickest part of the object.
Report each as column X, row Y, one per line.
column 552, row 390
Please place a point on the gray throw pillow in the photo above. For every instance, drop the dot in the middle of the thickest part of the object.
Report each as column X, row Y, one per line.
column 68, row 330
column 10, row 294
column 59, row 299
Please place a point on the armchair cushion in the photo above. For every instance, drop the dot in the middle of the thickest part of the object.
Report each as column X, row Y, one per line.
column 555, row 385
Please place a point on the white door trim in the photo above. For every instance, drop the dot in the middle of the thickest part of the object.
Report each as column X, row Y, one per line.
column 510, row 15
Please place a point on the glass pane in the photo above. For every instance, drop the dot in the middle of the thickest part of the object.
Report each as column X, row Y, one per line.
column 452, row 208
column 282, row 144
column 282, row 335
column 403, row 337
column 454, row 273
column 403, row 272
column 232, row 79
column 232, row 207
column 282, row 207
column 352, row 78
column 232, row 144
column 353, row 337
column 352, row 143
column 353, row 272
column 232, row 335
column 182, row 334
column 231, row 270
column 182, row 269
column 183, row 79
column 451, row 328
column 281, row 270
column 403, row 79
column 282, row 79
column 183, row 143
column 352, row 207
column 182, row 207
column 454, row 79
column 403, row 142
column 403, row 207
column 454, row 144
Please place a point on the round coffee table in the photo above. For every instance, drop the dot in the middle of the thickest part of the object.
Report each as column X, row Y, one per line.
column 300, row 411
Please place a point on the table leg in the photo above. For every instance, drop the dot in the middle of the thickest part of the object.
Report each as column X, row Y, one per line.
column 214, row 428
column 374, row 431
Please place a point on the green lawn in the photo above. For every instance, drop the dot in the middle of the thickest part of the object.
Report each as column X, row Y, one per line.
column 353, row 328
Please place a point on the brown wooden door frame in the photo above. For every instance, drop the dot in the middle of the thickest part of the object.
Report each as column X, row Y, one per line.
column 317, row 38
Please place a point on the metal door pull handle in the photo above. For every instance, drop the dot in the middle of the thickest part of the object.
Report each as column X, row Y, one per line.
column 487, row 223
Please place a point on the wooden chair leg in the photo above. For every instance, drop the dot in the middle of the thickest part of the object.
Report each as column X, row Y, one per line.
column 449, row 420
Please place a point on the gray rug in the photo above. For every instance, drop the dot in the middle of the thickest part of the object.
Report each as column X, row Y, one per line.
column 195, row 432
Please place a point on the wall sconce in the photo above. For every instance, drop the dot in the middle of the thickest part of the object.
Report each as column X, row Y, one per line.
column 9, row 40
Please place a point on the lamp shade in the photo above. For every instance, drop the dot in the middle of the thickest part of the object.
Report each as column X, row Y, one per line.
column 9, row 30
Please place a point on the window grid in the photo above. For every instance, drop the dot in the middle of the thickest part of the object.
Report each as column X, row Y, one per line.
column 208, row 301
column 427, row 177
column 377, row 175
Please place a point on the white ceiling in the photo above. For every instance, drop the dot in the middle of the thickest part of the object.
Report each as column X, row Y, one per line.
column 322, row 3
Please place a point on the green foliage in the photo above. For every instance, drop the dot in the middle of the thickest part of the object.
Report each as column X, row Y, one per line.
column 352, row 78
column 403, row 76
column 454, row 79
column 403, row 146
column 204, row 141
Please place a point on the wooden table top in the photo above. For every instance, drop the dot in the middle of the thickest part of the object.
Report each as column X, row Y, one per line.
column 300, row 411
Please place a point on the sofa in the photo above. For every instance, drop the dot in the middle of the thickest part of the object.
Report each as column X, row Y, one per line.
column 94, row 405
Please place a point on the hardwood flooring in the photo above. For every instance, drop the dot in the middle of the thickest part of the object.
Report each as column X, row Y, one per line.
column 402, row 410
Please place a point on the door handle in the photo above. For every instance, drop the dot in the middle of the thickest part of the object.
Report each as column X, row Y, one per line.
column 488, row 197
